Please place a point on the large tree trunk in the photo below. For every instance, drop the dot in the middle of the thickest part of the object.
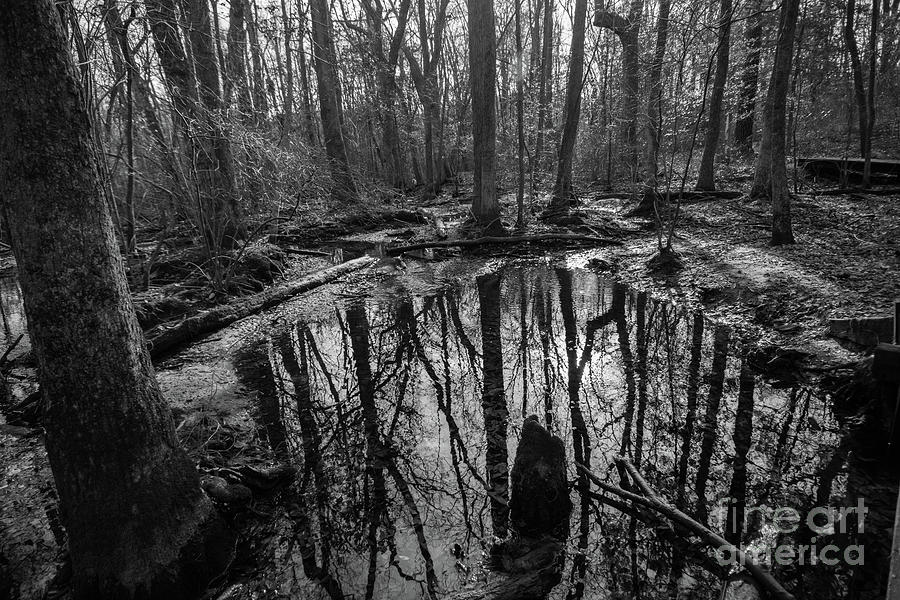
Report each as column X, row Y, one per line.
column 770, row 180
column 706, row 178
column 131, row 501
column 743, row 128
column 483, row 75
column 344, row 189
column 562, row 190
column 628, row 31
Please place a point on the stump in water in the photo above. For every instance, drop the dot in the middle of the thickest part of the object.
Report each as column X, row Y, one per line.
column 540, row 504
column 530, row 561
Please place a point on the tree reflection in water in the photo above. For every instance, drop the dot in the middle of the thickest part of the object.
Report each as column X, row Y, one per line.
column 404, row 415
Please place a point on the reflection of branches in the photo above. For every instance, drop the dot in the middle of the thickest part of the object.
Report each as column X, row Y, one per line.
column 708, row 428
column 743, row 430
column 311, row 441
column 440, row 395
column 628, row 367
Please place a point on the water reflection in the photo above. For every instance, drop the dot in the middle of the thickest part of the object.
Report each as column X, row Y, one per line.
column 406, row 474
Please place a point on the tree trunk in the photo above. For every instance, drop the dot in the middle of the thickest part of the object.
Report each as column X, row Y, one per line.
column 520, row 123
column 545, row 91
column 312, row 131
column 130, row 498
column 859, row 90
column 324, row 55
column 260, row 101
column 237, row 55
column 870, row 99
column 770, row 180
column 654, row 105
column 706, row 179
column 483, row 75
column 743, row 128
column 628, row 31
column 287, row 125
column 562, row 190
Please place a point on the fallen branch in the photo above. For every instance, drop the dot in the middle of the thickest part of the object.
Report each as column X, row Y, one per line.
column 516, row 239
column 653, row 501
column 216, row 318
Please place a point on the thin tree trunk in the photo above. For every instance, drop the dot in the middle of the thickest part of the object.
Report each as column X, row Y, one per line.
column 706, row 179
column 324, row 55
column 545, row 93
column 287, row 125
column 520, row 122
column 260, row 100
column 870, row 98
column 130, row 497
column 654, row 105
column 859, row 89
column 770, row 179
column 562, row 189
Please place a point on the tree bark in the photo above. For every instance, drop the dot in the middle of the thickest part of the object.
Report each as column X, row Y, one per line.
column 545, row 91
column 770, row 180
column 483, row 75
column 130, row 497
column 628, row 31
column 859, row 90
column 562, row 189
column 260, row 100
column 743, row 128
column 325, row 57
column 237, row 56
column 654, row 105
column 870, row 98
column 706, row 178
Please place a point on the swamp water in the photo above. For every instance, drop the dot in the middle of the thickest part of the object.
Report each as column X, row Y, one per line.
column 400, row 399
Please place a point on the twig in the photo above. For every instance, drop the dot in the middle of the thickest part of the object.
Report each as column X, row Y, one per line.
column 10, row 349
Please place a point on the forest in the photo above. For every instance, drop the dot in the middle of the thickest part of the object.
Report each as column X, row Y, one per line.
column 449, row 299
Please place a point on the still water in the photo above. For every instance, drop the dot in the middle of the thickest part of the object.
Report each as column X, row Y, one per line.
column 402, row 407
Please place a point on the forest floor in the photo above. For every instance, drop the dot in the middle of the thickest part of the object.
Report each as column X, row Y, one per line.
column 844, row 264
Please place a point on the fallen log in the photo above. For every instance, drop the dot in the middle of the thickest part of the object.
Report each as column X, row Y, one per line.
column 515, row 239
column 892, row 191
column 650, row 499
column 212, row 320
